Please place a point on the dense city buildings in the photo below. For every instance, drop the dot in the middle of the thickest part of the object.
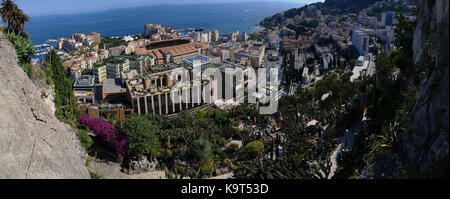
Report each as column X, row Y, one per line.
column 79, row 41
column 137, row 74
column 152, row 29
column 156, row 32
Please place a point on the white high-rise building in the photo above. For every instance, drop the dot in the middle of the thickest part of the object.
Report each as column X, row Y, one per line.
column 205, row 36
column 201, row 36
column 360, row 41
column 215, row 35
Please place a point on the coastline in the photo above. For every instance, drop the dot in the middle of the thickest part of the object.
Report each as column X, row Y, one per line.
column 235, row 17
column 258, row 28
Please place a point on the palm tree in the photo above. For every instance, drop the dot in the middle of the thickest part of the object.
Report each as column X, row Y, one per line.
column 18, row 20
column 13, row 16
column 7, row 7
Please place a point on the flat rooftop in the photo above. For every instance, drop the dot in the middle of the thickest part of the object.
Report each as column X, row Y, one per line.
column 113, row 86
column 85, row 81
column 201, row 58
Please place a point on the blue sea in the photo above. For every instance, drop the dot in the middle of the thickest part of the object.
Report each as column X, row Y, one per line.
column 226, row 17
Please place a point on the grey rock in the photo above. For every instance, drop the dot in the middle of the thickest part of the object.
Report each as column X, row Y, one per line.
column 139, row 165
column 222, row 171
column 429, row 141
column 33, row 142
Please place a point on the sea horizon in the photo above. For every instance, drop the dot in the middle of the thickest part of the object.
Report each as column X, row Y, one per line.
column 225, row 17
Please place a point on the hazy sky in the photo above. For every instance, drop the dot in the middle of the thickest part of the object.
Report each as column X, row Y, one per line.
column 50, row 7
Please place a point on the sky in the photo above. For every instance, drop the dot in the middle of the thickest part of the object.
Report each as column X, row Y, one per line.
column 56, row 7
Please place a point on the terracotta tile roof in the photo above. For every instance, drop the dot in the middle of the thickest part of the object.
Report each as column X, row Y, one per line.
column 183, row 49
column 141, row 51
column 156, row 54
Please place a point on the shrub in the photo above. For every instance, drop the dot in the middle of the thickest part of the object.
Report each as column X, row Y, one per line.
column 95, row 175
column 106, row 134
column 228, row 163
column 24, row 49
column 207, row 168
column 254, row 149
column 201, row 114
column 353, row 62
column 85, row 140
column 202, row 150
column 142, row 138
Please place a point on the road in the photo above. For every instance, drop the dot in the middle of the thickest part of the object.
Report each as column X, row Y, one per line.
column 346, row 141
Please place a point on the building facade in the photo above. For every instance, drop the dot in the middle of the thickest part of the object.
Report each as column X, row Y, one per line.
column 387, row 18
column 99, row 73
column 360, row 41
column 84, row 89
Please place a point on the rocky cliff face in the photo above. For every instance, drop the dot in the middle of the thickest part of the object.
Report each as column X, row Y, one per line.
column 429, row 142
column 424, row 153
column 33, row 143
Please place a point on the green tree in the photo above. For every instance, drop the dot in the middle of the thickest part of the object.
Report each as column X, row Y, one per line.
column 18, row 20
column 404, row 34
column 271, row 169
column 142, row 139
column 7, row 7
column 13, row 17
column 87, row 72
column 349, row 161
column 66, row 107
column 202, row 150
column 323, row 169
column 254, row 149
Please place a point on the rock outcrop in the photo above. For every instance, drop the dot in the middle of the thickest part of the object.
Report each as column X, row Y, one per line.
column 139, row 165
column 424, row 153
column 429, row 140
column 34, row 144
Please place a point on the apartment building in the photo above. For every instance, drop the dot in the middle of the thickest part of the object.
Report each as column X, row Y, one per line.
column 83, row 89
column 360, row 41
column 100, row 73
column 203, row 60
column 116, row 66
column 215, row 36
column 255, row 53
column 151, row 94
column 387, row 18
